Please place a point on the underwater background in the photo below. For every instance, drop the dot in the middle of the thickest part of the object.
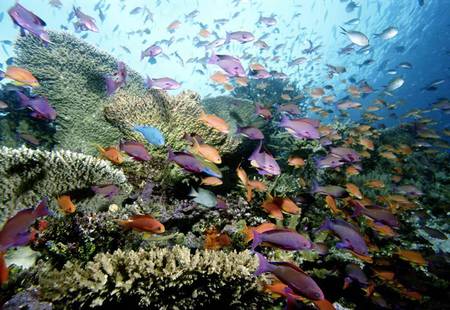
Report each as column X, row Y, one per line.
column 181, row 154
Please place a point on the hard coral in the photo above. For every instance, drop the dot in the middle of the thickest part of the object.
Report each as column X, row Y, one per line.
column 27, row 175
column 160, row 278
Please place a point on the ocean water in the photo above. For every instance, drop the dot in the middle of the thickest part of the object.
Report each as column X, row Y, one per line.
column 88, row 123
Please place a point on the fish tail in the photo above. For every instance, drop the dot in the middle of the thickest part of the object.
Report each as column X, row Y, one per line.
column 142, row 55
column 171, row 154
column 2, row 75
column 149, row 82
column 315, row 185
column 264, row 265
column 4, row 272
column 326, row 225
column 257, row 239
column 343, row 30
column 227, row 38
column 42, row 208
column 358, row 209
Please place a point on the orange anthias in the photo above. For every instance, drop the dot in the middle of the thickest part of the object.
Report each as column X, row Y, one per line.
column 4, row 272
column 215, row 240
column 144, row 223
column 66, row 204
column 215, row 122
column 412, row 256
column 21, row 76
column 111, row 153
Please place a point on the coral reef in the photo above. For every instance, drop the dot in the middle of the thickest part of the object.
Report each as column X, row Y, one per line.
column 28, row 175
column 174, row 116
column 157, row 279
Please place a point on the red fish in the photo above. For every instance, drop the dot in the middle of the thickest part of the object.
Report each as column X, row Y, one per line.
column 144, row 223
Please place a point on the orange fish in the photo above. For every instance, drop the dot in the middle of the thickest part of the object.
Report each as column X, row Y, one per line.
column 248, row 231
column 351, row 170
column 4, row 271
column 286, row 97
column 204, row 33
column 21, row 76
column 362, row 257
column 215, row 240
column 277, row 289
column 384, row 274
column 412, row 256
column 242, row 175
column 66, row 204
column 257, row 185
column 144, row 223
column 228, row 86
column 296, row 161
column 211, row 181
column 331, row 203
column 173, row 25
column 389, row 155
column 287, row 205
column 368, row 144
column 243, row 81
column 412, row 295
column 382, row 229
column 375, row 184
column 207, row 152
column 215, row 122
column 220, row 78
column 353, row 190
column 396, row 178
column 273, row 209
column 111, row 153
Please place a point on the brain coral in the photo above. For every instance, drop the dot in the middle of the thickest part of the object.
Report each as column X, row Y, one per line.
column 160, row 278
column 27, row 175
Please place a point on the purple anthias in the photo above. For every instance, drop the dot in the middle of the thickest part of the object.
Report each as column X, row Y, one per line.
column 40, row 107
column 107, row 191
column 116, row 81
column 329, row 161
column 285, row 239
column 263, row 111
column 16, row 231
column 252, row 133
column 332, row 190
column 300, row 128
column 28, row 21
column 409, row 190
column 229, row 64
column 291, row 275
column 354, row 273
column 240, row 36
column 151, row 51
column 350, row 237
column 377, row 213
column 85, row 22
column 345, row 154
column 260, row 74
column 135, row 149
column 186, row 160
column 264, row 162
column 164, row 83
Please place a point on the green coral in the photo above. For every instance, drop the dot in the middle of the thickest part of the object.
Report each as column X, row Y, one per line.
column 173, row 115
column 71, row 74
column 27, row 175
column 160, row 278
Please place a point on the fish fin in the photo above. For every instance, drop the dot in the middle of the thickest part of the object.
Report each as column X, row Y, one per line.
column 227, row 38
column 4, row 272
column 264, row 265
column 326, row 225
column 124, row 223
column 139, row 216
column 2, row 75
column 343, row 245
column 343, row 30
column 257, row 239
column 42, row 208
column 323, row 304
column 347, row 281
column 193, row 193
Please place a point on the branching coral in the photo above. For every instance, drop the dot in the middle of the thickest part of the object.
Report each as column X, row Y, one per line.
column 157, row 279
column 27, row 175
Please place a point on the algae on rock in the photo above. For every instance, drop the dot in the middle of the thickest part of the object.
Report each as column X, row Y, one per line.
column 27, row 175
column 160, row 278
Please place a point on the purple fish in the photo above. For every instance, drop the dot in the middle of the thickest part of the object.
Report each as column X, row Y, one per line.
column 329, row 161
column 229, row 64
column 107, row 191
column 113, row 83
column 190, row 138
column 252, row 133
column 16, row 231
column 186, row 160
column 164, row 83
column 27, row 20
column 350, row 237
column 262, row 111
column 332, row 190
column 151, row 51
column 135, row 149
column 260, row 74
column 85, row 22
column 346, row 154
column 268, row 21
column 377, row 213
column 240, row 36
column 41, row 109
column 299, row 128
column 354, row 273
column 264, row 162
column 292, row 276
column 285, row 239
column 409, row 190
